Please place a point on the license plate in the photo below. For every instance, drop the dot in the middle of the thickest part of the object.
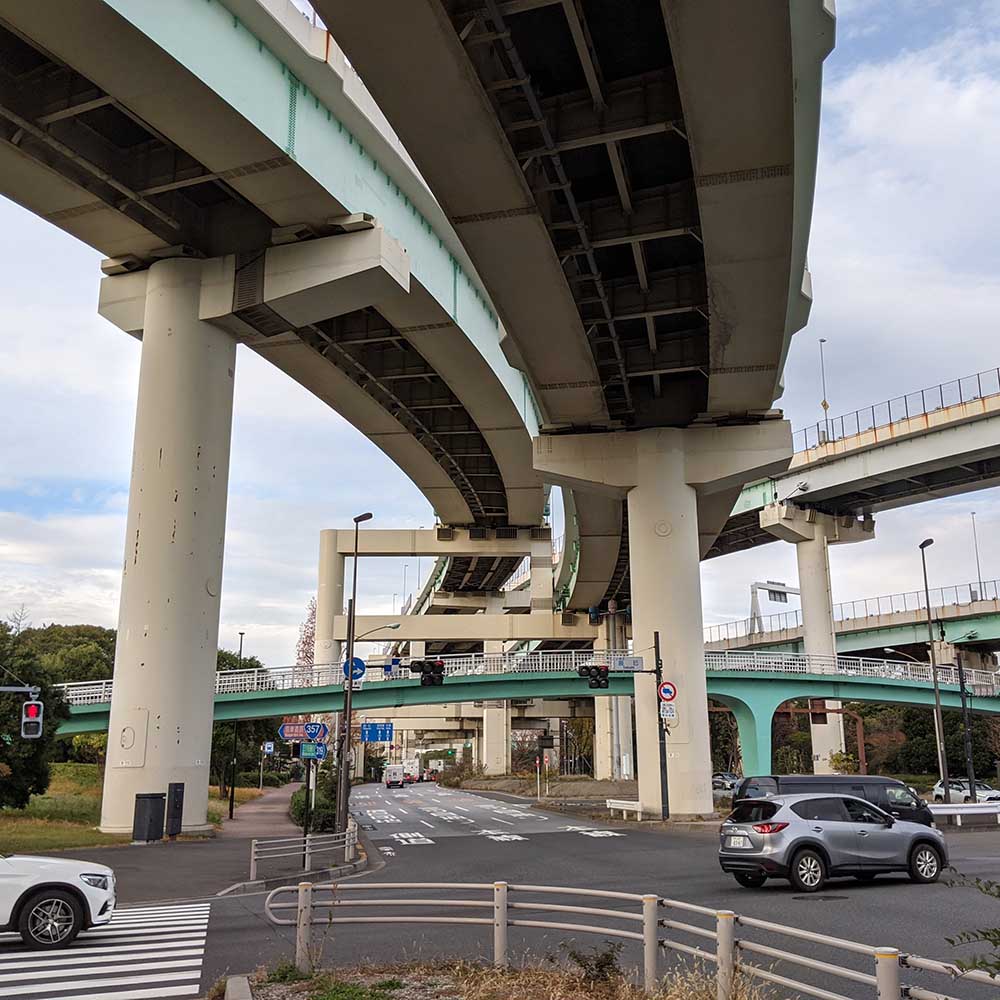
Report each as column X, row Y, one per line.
column 737, row 841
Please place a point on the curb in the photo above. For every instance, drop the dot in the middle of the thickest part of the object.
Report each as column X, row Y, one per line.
column 316, row 875
column 238, row 988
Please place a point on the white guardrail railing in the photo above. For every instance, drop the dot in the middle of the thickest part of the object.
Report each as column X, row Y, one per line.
column 722, row 938
column 981, row 682
column 306, row 848
column 961, row 809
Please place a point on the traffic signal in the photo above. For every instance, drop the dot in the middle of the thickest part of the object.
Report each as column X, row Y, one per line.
column 597, row 677
column 31, row 720
column 431, row 671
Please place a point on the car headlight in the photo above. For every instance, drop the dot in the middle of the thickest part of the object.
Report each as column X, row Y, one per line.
column 97, row 881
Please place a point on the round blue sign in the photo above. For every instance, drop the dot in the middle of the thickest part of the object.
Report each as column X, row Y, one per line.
column 357, row 669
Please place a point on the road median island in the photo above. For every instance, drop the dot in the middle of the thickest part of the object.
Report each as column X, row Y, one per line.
column 595, row 977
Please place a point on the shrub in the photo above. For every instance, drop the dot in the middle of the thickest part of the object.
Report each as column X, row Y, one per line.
column 324, row 814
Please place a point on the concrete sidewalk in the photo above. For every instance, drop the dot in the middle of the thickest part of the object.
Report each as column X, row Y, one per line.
column 264, row 817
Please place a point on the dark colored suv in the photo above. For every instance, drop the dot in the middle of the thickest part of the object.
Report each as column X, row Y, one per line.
column 889, row 794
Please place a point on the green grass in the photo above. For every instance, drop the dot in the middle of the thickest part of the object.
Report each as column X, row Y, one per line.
column 21, row 834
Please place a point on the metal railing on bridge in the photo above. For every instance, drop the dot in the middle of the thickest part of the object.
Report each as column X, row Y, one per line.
column 913, row 404
column 799, row 962
column 959, row 595
column 982, row 682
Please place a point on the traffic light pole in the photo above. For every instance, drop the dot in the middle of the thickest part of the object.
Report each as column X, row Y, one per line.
column 344, row 744
column 662, row 740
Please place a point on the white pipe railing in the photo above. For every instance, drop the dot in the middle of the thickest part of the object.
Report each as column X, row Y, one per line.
column 981, row 683
column 643, row 915
column 957, row 596
column 306, row 847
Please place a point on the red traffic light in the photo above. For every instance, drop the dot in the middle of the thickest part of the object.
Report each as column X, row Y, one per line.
column 32, row 710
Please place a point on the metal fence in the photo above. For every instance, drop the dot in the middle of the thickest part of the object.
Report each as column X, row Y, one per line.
column 959, row 595
column 914, row 404
column 721, row 938
column 983, row 682
column 306, row 848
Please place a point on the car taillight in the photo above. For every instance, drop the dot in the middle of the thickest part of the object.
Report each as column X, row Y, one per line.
column 769, row 827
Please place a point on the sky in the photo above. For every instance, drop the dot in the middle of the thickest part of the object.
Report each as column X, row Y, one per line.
column 904, row 258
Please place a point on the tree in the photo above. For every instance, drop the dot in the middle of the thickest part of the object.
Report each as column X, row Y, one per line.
column 24, row 764
column 306, row 646
column 986, row 935
column 725, row 741
column 226, row 659
column 843, row 763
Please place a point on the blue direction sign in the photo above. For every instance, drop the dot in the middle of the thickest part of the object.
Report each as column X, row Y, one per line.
column 312, row 751
column 268, row 748
column 357, row 669
column 376, row 732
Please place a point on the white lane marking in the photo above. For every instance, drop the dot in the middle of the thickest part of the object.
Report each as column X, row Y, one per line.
column 163, row 991
column 141, row 931
column 463, row 809
column 506, row 822
column 431, row 825
column 402, row 810
column 193, row 964
column 589, row 831
column 94, row 955
column 163, row 977
column 408, row 839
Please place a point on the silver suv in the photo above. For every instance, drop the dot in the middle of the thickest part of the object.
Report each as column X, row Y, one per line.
column 809, row 838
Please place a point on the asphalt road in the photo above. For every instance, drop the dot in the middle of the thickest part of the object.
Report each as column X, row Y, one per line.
column 424, row 833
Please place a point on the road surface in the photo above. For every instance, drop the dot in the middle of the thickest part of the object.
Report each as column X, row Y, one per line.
column 424, row 833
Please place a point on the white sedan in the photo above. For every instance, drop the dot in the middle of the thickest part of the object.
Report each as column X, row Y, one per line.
column 48, row 901
column 960, row 791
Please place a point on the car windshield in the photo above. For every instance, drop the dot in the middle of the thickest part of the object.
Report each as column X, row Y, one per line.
column 982, row 786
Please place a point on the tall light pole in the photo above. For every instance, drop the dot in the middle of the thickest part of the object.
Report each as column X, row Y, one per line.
column 345, row 738
column 975, row 543
column 822, row 373
column 232, row 783
column 938, row 721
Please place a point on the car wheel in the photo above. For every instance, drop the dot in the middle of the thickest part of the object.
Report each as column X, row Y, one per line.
column 748, row 880
column 51, row 918
column 808, row 871
column 865, row 877
column 925, row 863
column 939, row 798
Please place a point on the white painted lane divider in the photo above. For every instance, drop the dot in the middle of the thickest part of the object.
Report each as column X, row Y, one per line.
column 500, row 836
column 589, row 831
column 144, row 953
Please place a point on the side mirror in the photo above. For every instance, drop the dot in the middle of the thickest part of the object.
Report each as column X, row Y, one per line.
column 889, row 821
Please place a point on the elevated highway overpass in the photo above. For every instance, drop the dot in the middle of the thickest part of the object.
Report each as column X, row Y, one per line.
column 613, row 255
column 244, row 188
column 969, row 614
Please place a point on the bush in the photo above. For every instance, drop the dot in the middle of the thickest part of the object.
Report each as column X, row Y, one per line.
column 454, row 776
column 324, row 814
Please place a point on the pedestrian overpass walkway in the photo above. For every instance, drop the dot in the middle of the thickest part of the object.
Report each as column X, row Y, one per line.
column 752, row 684
column 891, row 620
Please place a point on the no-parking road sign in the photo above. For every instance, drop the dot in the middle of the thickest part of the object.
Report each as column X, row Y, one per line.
column 667, row 691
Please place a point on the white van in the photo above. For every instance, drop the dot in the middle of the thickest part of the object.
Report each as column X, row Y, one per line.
column 393, row 776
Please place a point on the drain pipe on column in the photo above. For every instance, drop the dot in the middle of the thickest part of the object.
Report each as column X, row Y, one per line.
column 662, row 736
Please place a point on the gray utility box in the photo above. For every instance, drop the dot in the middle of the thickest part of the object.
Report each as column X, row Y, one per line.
column 175, row 807
column 147, row 824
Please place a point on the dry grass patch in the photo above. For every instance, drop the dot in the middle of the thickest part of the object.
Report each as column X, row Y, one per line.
column 468, row 981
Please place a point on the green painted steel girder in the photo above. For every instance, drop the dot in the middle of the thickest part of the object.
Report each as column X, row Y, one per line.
column 759, row 691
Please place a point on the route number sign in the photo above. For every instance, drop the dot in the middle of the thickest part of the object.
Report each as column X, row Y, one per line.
column 667, row 691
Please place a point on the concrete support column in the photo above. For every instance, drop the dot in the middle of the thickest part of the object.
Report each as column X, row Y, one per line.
column 541, row 576
column 604, row 756
column 329, row 599
column 168, row 623
column 418, row 648
column 625, row 756
column 663, row 472
column 496, row 737
column 754, row 725
column 946, row 654
column 666, row 597
column 812, row 533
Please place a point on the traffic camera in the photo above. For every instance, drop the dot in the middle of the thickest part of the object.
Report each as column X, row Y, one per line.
column 31, row 720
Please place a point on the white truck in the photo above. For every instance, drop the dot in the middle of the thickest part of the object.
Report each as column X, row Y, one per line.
column 411, row 770
column 393, row 776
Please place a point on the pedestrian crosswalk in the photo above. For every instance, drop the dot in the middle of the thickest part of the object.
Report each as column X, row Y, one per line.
column 144, row 953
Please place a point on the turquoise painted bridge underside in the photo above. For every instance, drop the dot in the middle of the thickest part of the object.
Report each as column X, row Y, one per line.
column 753, row 697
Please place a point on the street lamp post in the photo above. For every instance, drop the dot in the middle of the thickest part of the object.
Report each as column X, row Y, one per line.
column 938, row 721
column 232, row 783
column 824, row 404
column 345, row 739
column 975, row 544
